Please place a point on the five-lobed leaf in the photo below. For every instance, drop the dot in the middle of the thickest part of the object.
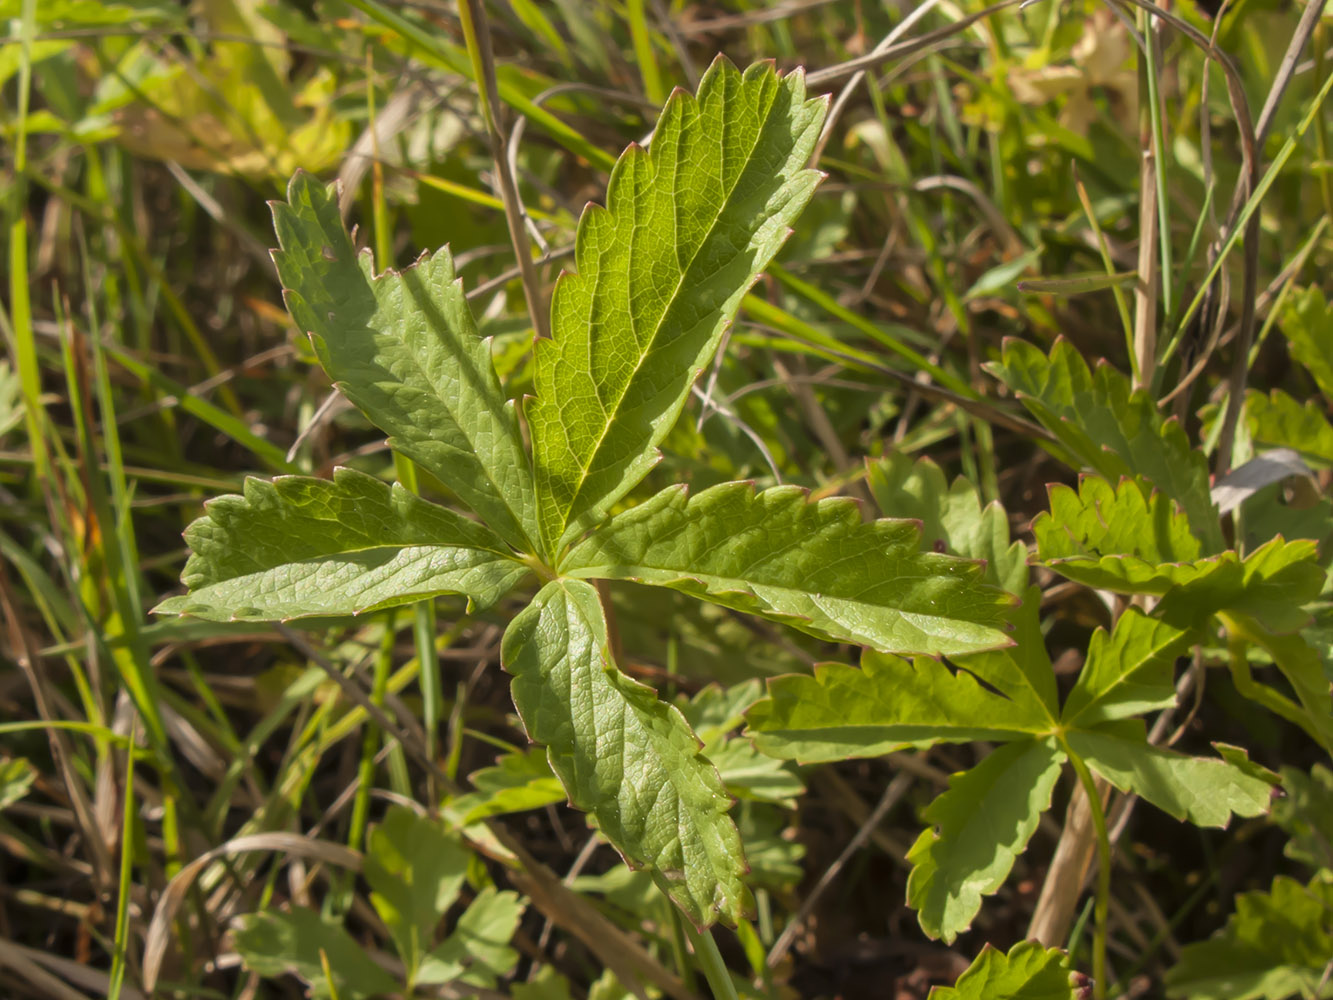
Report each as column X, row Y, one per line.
column 404, row 348
column 815, row 566
column 979, row 826
column 661, row 270
column 296, row 547
column 622, row 754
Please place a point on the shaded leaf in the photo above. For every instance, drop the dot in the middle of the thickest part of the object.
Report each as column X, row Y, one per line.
column 1277, row 944
column 1203, row 790
column 815, row 566
column 951, row 515
column 1027, row 972
column 415, row 870
column 1306, row 814
column 298, row 547
column 1114, row 431
column 623, row 755
column 272, row 944
column 1128, row 672
column 518, row 782
column 887, row 704
column 713, row 714
column 1307, row 323
column 688, row 226
column 1278, row 420
column 978, row 827
column 404, row 348
column 478, row 951
column 16, row 777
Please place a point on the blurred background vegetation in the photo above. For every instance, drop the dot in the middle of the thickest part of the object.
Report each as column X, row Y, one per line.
column 985, row 184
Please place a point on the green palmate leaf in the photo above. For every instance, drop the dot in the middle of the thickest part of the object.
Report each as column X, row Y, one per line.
column 273, row 944
column 1276, row 945
column 415, row 870
column 950, row 515
column 979, row 826
column 1027, row 972
column 1307, row 323
column 1128, row 672
column 1114, row 431
column 1127, row 539
column 478, row 950
column 623, row 755
column 1203, row 790
column 1021, row 672
column 1277, row 419
column 686, row 230
column 887, row 704
column 815, row 566
column 404, row 348
column 299, row 548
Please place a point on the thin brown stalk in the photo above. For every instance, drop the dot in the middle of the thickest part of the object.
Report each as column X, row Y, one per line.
column 477, row 34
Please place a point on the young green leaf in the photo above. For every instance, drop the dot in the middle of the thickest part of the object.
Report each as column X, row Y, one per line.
column 299, row 548
column 1202, row 790
column 415, row 870
column 1127, row 538
column 661, row 271
column 885, row 705
column 403, row 347
column 1129, row 672
column 478, row 951
column 1117, row 432
column 623, row 755
column 979, row 826
column 1276, row 945
column 1027, row 972
column 1307, row 323
column 815, row 566
column 273, row 944
column 951, row 515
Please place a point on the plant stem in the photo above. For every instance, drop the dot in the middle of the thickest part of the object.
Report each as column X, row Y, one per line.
column 477, row 36
column 710, row 961
column 1103, row 899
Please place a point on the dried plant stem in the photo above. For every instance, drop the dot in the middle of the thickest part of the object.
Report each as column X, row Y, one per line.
column 477, row 35
column 1054, row 913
